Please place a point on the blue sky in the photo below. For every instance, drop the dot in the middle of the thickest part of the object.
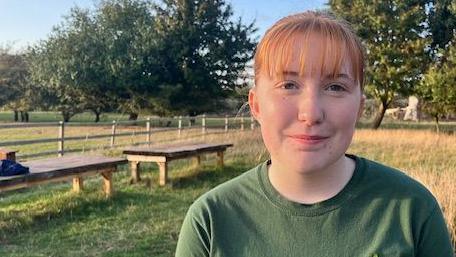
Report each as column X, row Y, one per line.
column 24, row 22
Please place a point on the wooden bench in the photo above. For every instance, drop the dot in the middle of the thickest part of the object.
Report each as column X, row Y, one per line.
column 164, row 154
column 65, row 168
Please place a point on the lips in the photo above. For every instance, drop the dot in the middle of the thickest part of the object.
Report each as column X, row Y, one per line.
column 309, row 139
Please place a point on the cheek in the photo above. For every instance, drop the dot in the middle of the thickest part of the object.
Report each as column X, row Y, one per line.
column 276, row 113
column 276, row 109
column 344, row 116
column 271, row 138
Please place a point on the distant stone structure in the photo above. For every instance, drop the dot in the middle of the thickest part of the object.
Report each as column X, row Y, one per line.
column 395, row 113
column 411, row 111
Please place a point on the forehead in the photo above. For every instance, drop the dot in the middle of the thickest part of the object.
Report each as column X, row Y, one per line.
column 314, row 56
column 308, row 52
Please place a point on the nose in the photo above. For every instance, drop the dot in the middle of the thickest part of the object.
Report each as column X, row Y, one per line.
column 311, row 110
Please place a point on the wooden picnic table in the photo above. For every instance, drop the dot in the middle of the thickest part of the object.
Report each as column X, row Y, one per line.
column 162, row 155
column 65, row 168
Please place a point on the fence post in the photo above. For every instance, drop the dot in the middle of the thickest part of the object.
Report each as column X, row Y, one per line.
column 242, row 122
column 61, row 138
column 203, row 124
column 226, row 123
column 180, row 126
column 252, row 123
column 148, row 131
column 113, row 132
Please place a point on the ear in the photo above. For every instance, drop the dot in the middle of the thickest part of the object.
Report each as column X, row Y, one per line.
column 254, row 105
column 361, row 106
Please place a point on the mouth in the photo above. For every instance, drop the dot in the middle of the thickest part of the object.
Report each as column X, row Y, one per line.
column 308, row 139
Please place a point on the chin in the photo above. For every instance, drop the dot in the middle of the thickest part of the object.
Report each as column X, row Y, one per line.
column 309, row 162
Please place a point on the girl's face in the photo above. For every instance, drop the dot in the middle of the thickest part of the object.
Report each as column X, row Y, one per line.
column 307, row 121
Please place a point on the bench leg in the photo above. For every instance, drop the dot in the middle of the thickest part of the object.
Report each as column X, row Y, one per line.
column 78, row 184
column 134, row 168
column 163, row 166
column 197, row 160
column 220, row 159
column 107, row 182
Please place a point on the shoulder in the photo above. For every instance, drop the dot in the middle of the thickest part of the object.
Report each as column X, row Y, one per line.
column 397, row 185
column 235, row 192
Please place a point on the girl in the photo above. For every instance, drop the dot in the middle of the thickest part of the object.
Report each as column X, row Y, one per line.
column 311, row 198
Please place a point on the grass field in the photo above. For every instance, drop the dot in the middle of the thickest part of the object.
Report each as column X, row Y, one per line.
column 38, row 116
column 388, row 123
column 144, row 219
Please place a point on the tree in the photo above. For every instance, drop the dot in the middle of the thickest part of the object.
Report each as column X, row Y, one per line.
column 5, row 76
column 438, row 87
column 126, row 28
column 51, row 64
column 69, row 65
column 18, row 93
column 203, row 53
column 394, row 35
column 97, row 60
column 442, row 22
column 176, row 57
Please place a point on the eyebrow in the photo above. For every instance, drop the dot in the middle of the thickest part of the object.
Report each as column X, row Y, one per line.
column 290, row 73
column 338, row 75
column 328, row 76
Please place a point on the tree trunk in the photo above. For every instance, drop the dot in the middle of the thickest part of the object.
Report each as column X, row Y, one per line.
column 66, row 116
column 97, row 115
column 16, row 116
column 380, row 114
column 192, row 118
column 437, row 127
column 26, row 117
column 133, row 116
column 22, row 116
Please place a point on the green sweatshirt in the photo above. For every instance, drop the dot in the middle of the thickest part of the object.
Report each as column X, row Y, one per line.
column 380, row 212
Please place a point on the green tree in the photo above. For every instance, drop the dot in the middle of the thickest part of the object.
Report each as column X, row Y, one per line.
column 18, row 93
column 175, row 57
column 54, row 65
column 126, row 28
column 442, row 22
column 98, row 60
column 438, row 87
column 5, row 76
column 71, row 68
column 203, row 52
column 393, row 32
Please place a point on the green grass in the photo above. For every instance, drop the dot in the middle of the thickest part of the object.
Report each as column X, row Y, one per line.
column 38, row 116
column 387, row 123
column 139, row 220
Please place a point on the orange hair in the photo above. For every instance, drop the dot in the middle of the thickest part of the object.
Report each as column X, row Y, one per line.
column 277, row 48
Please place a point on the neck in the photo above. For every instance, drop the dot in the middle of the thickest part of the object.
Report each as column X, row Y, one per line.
column 312, row 186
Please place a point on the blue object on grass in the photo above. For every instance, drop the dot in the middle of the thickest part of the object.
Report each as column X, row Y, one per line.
column 12, row 168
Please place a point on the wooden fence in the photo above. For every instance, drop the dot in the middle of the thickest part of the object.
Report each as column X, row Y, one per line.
column 148, row 128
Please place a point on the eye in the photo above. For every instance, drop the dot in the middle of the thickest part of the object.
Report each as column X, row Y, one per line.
column 288, row 85
column 335, row 88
